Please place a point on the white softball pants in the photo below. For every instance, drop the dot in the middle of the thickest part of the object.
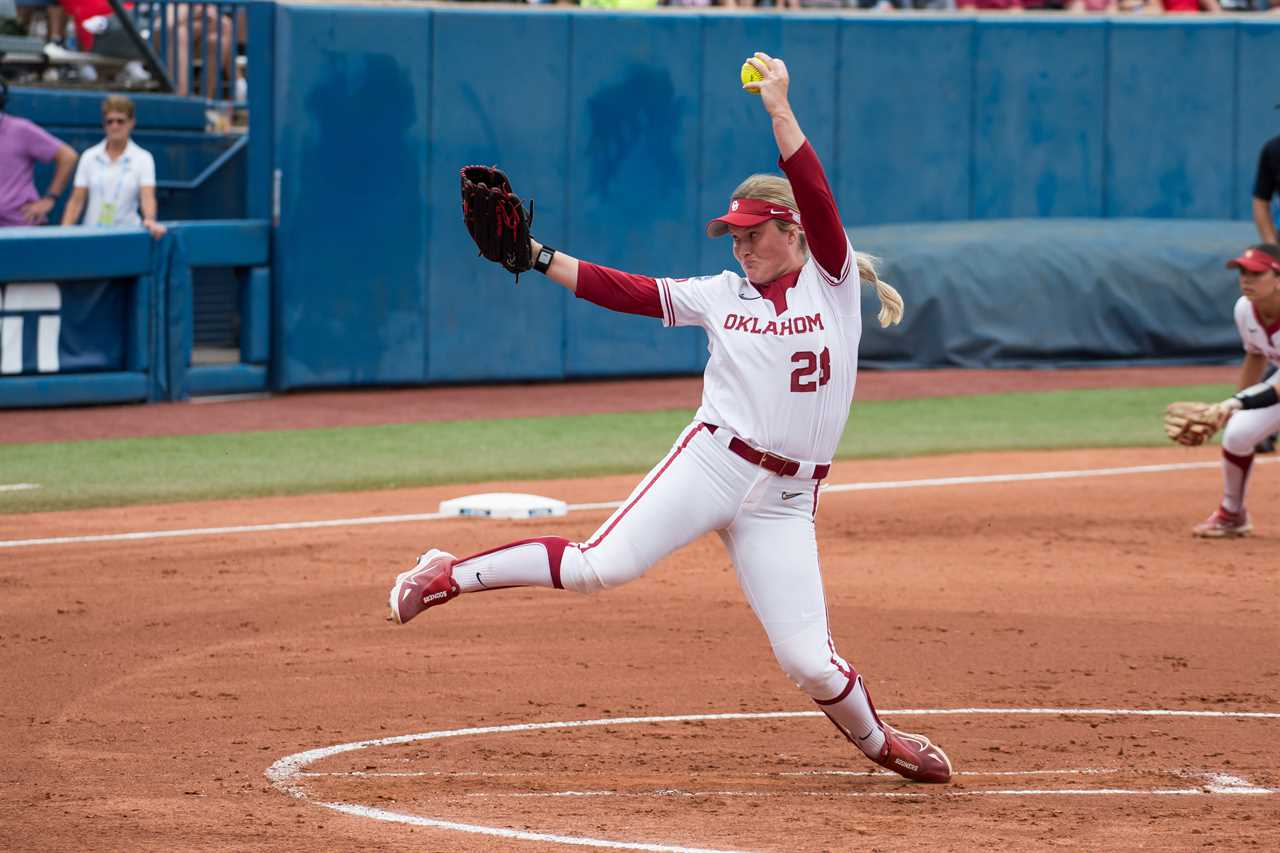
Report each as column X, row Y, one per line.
column 1248, row 427
column 767, row 523
column 1239, row 438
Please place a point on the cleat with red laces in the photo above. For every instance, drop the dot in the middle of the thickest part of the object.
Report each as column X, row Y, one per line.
column 1224, row 525
column 427, row 584
column 913, row 756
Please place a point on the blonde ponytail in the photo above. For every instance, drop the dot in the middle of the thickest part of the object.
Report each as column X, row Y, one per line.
column 891, row 306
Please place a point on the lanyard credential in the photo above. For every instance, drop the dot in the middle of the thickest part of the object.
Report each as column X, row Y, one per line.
column 111, row 200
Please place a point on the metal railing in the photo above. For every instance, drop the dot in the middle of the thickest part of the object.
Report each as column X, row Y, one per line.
column 193, row 49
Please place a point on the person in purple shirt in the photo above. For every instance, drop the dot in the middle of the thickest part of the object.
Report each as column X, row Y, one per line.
column 22, row 143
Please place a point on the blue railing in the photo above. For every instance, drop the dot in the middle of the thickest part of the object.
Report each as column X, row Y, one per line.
column 202, row 46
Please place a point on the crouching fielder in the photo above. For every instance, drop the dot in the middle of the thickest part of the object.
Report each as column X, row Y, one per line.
column 783, row 341
column 1254, row 412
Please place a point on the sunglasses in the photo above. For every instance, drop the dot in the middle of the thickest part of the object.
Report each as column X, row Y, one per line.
column 110, row 121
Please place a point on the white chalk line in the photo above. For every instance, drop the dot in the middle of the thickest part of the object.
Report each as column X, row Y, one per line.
column 586, row 507
column 1034, row 475
column 223, row 531
column 18, row 487
column 286, row 774
column 540, row 774
column 1204, row 790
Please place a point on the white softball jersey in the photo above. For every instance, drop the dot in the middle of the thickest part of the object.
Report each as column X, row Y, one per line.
column 1257, row 337
column 781, row 382
column 1246, row 428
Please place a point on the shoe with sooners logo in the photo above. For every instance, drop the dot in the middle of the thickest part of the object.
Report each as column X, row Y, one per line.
column 425, row 585
column 913, row 756
column 1224, row 525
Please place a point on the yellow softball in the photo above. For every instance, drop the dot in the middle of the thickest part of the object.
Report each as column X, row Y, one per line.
column 751, row 74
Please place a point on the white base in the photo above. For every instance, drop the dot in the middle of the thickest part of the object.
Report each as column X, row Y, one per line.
column 504, row 505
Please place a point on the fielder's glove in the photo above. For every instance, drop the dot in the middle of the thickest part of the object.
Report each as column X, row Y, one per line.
column 1192, row 424
column 496, row 219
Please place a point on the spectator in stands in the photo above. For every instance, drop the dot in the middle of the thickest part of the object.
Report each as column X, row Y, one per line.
column 1181, row 7
column 990, row 5
column 22, row 145
column 209, row 33
column 94, row 19
column 1108, row 7
column 116, row 176
column 55, row 19
column 99, row 31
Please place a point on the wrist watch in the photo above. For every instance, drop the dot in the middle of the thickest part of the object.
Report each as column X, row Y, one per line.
column 543, row 261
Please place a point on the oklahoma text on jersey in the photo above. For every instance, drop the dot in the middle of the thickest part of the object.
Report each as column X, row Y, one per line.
column 795, row 326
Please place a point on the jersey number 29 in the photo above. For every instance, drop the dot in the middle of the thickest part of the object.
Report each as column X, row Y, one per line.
column 810, row 363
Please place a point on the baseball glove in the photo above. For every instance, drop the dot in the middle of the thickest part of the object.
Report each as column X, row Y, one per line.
column 1192, row 424
column 496, row 219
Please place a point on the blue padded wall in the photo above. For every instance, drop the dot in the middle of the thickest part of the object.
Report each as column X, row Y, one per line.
column 1170, row 120
column 49, row 108
column 480, row 325
column 351, row 248
column 1257, row 120
column 633, row 180
column 904, row 120
column 630, row 131
column 1039, row 113
column 737, row 140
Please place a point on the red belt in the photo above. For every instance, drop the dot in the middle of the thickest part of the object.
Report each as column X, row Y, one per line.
column 780, row 465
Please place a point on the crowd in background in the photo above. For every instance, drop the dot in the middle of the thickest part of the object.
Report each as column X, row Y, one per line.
column 1141, row 7
column 201, row 44
column 56, row 12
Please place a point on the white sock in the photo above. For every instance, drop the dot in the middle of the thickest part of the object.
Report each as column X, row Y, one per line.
column 1235, row 480
column 530, row 562
column 854, row 716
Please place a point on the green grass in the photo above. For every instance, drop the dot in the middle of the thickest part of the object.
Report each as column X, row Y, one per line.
column 153, row 470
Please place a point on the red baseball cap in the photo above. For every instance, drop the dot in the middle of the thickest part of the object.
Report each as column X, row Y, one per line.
column 745, row 212
column 1259, row 258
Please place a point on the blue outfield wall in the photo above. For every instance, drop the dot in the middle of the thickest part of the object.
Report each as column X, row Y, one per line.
column 630, row 131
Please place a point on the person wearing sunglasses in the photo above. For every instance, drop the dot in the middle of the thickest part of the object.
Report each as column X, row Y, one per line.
column 116, row 177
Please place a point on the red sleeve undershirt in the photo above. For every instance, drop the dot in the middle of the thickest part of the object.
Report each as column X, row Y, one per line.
column 818, row 212
column 618, row 291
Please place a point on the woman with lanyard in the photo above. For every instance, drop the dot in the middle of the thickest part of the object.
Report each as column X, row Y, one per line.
column 116, row 176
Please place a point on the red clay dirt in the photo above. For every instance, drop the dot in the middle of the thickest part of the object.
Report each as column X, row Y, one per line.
column 382, row 406
column 151, row 683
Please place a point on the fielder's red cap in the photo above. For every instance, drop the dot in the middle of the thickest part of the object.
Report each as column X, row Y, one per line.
column 1259, row 258
column 745, row 212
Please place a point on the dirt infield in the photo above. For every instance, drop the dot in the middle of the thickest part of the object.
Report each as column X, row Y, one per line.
column 151, row 683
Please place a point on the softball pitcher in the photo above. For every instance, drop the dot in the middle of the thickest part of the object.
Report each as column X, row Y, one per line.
column 1254, row 412
column 783, row 340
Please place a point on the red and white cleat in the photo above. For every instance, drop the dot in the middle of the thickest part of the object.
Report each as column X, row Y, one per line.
column 425, row 585
column 913, row 756
column 1224, row 525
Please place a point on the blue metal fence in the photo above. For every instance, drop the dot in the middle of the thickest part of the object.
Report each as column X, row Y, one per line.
column 203, row 46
